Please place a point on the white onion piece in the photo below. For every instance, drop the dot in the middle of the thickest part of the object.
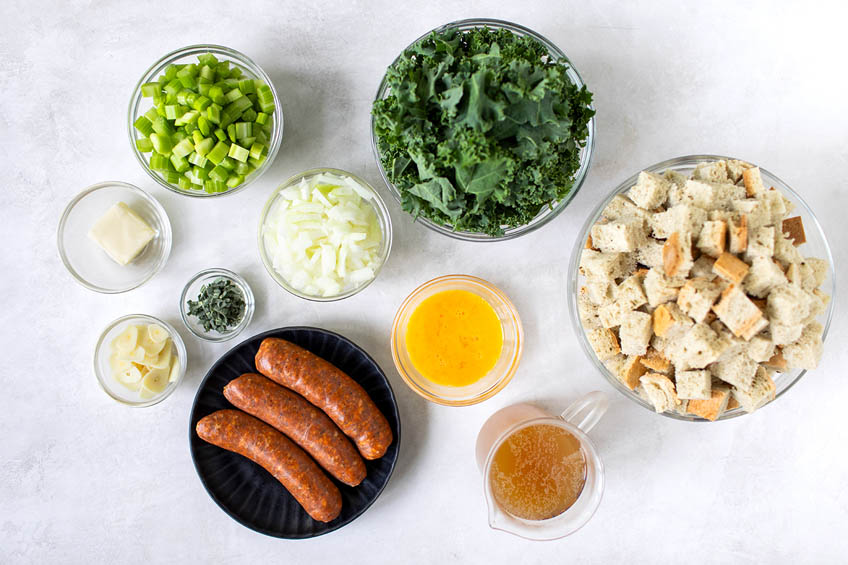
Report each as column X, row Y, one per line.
column 323, row 235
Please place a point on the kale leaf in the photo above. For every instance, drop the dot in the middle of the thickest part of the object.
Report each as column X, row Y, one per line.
column 481, row 129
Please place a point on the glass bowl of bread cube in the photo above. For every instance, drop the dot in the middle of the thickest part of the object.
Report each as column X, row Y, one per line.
column 701, row 288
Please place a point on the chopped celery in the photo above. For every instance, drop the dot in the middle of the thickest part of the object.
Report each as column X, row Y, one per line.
column 257, row 150
column 197, row 159
column 219, row 174
column 233, row 95
column 242, row 169
column 144, row 145
column 249, row 115
column 203, row 125
column 184, row 183
column 216, row 93
column 200, row 173
column 201, row 103
column 265, row 98
column 243, row 130
column 228, row 163
column 183, row 148
column 238, row 153
column 204, row 146
column 247, row 86
column 171, row 176
column 221, row 134
column 207, row 59
column 150, row 89
column 218, row 152
column 234, row 180
column 180, row 164
column 213, row 113
column 161, row 143
column 231, row 132
column 196, row 136
column 160, row 162
column 143, row 125
column 261, row 118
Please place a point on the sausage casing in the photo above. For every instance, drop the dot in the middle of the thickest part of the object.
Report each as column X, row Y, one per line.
column 331, row 390
column 243, row 434
column 302, row 422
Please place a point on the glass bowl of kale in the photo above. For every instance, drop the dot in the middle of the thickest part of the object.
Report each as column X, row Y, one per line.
column 216, row 304
column 483, row 130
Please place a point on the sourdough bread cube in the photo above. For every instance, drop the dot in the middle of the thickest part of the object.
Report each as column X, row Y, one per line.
column 630, row 371
column 631, row 292
column 715, row 406
column 702, row 267
column 660, row 289
column 656, row 361
column 650, row 190
column 761, row 392
column 711, row 195
column 794, row 230
column 753, row 181
column 715, row 171
column 760, row 349
column 760, row 244
column 773, row 201
column 606, row 266
column 730, row 268
column 615, row 364
column 697, row 297
column 756, row 328
column 680, row 218
column 784, row 250
column 698, row 348
column 763, row 276
column 588, row 312
column 635, row 333
column 758, row 214
column 670, row 322
column 737, row 312
column 806, row 351
column 604, row 343
column 810, row 273
column 735, row 168
column 660, row 391
column 818, row 302
column 713, row 238
column 788, row 305
column 600, row 292
column 675, row 191
column 612, row 314
column 737, row 370
column 695, row 384
column 623, row 235
column 677, row 255
column 737, row 233
column 621, row 207
column 650, row 253
column 784, row 334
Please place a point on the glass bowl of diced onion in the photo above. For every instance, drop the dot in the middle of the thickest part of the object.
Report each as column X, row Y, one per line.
column 815, row 246
column 139, row 104
column 324, row 234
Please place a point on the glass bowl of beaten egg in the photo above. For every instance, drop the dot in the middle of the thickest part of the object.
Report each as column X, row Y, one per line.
column 457, row 340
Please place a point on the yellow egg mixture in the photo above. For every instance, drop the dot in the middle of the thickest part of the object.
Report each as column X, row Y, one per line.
column 454, row 338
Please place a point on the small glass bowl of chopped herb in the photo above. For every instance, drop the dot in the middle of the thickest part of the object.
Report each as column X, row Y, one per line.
column 216, row 304
column 205, row 120
column 479, row 158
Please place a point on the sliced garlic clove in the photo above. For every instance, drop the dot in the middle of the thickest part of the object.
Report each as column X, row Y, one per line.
column 127, row 340
column 157, row 333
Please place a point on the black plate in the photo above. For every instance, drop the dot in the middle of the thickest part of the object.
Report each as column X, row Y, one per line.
column 246, row 491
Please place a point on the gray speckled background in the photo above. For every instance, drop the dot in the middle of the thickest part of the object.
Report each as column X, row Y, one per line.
column 84, row 480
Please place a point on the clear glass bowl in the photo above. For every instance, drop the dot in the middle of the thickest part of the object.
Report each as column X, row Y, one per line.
column 139, row 105
column 816, row 246
column 546, row 214
column 192, row 290
column 87, row 262
column 379, row 208
column 103, row 371
column 496, row 379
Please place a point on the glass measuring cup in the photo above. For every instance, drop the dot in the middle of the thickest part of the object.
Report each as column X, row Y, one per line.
column 580, row 417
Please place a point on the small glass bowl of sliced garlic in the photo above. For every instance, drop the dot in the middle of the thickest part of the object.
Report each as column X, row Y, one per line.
column 324, row 234
column 139, row 360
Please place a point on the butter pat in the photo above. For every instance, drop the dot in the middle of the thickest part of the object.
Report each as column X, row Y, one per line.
column 121, row 233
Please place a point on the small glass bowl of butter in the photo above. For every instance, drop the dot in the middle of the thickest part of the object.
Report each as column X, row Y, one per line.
column 114, row 237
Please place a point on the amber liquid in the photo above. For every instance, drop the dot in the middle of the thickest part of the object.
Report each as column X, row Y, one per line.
column 538, row 472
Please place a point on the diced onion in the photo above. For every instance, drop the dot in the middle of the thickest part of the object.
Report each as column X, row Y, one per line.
column 323, row 235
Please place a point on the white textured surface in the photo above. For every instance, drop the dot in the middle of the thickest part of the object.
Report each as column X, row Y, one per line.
column 83, row 479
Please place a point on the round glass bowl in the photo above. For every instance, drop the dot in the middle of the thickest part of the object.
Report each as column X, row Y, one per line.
column 816, row 246
column 490, row 384
column 547, row 213
column 103, row 370
column 84, row 258
column 139, row 105
column 377, row 205
column 192, row 290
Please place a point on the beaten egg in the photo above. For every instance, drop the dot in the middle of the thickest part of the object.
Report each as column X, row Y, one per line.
column 454, row 338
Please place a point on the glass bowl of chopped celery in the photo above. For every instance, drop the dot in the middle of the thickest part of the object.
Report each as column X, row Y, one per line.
column 205, row 121
column 324, row 234
column 216, row 304
column 479, row 158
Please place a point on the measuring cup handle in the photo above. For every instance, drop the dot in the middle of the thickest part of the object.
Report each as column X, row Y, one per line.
column 587, row 411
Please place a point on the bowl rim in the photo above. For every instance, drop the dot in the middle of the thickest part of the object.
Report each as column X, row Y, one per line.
column 574, row 263
column 166, row 234
column 249, row 304
column 243, row 61
column 546, row 214
column 178, row 343
column 380, row 209
column 501, row 383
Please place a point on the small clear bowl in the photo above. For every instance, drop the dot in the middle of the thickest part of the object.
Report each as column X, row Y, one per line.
column 816, row 246
column 192, row 290
column 491, row 383
column 379, row 208
column 139, row 105
column 87, row 262
column 103, row 371
column 548, row 213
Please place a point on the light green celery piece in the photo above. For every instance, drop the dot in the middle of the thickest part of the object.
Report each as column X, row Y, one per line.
column 143, row 125
column 242, row 169
column 144, row 145
column 207, row 59
column 262, row 118
column 160, row 162
column 187, row 118
column 171, row 177
column 256, row 162
column 151, row 114
column 257, row 150
column 213, row 113
column 219, row 152
column 229, row 163
column 234, row 180
column 243, row 130
column 239, row 153
column 161, row 143
column 183, row 148
column 231, row 132
column 197, row 159
column 221, row 134
column 233, row 95
column 184, row 182
column 219, row 174
column 150, row 89
column 200, row 173
column 247, row 141
column 196, row 136
column 180, row 164
column 204, row 146
column 247, row 86
column 203, row 125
